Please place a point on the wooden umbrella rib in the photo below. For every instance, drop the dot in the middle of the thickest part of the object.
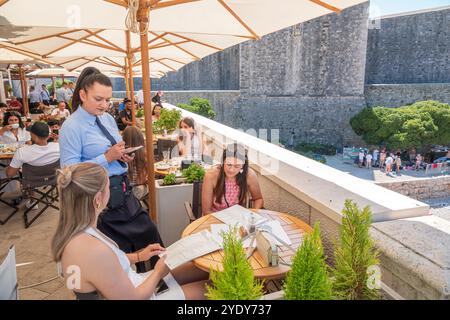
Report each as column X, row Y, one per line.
column 196, row 41
column 92, row 43
column 71, row 60
column 113, row 62
column 122, row 3
column 153, row 40
column 182, row 49
column 2, row 2
column 88, row 60
column 70, row 43
column 104, row 62
column 170, row 4
column 234, row 14
column 22, row 50
column 326, row 5
column 27, row 54
column 107, row 41
column 174, row 60
column 48, row 36
column 163, row 45
column 166, row 65
column 98, row 44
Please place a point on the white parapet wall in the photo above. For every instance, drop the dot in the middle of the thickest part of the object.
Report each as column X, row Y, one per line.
column 320, row 186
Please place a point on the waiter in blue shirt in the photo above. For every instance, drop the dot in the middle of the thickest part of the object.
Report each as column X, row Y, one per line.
column 45, row 95
column 91, row 135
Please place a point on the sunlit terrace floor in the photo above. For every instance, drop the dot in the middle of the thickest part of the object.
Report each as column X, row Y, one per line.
column 35, row 264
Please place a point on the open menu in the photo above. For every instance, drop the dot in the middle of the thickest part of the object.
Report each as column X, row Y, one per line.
column 190, row 248
column 237, row 216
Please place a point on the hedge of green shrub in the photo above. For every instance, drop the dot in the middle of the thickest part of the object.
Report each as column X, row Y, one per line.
column 421, row 124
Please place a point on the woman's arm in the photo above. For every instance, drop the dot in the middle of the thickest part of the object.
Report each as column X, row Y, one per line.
column 101, row 268
column 255, row 190
column 4, row 129
column 209, row 182
column 181, row 148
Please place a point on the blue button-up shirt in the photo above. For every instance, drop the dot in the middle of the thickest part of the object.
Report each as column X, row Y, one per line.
column 45, row 95
column 81, row 140
column 35, row 96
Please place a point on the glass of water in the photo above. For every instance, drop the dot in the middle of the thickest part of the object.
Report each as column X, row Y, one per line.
column 166, row 154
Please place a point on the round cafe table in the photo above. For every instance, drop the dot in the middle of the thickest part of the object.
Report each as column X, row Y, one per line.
column 294, row 227
column 6, row 156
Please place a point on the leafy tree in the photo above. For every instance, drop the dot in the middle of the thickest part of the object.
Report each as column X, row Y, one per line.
column 308, row 278
column 236, row 281
column 419, row 125
column 168, row 120
column 199, row 106
column 355, row 256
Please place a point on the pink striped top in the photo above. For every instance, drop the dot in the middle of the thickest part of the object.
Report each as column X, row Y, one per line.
column 232, row 192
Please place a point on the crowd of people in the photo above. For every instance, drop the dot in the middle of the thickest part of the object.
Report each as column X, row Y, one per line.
column 103, row 227
column 390, row 162
column 39, row 98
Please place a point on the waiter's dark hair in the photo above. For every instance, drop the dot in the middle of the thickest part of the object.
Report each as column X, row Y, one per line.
column 87, row 78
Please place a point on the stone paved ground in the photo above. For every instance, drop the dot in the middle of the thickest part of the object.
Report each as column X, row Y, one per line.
column 374, row 174
column 33, row 256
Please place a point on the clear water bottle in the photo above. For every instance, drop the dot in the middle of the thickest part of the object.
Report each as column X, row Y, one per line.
column 252, row 224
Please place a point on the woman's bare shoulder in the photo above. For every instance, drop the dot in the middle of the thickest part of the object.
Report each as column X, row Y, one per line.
column 85, row 247
column 212, row 172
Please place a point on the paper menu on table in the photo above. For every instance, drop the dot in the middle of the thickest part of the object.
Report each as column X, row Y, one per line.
column 276, row 229
column 217, row 229
column 190, row 248
column 237, row 215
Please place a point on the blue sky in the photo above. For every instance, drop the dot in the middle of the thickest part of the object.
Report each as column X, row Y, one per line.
column 385, row 7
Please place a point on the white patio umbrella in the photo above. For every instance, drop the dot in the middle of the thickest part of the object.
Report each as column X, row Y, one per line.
column 204, row 25
column 52, row 72
column 11, row 55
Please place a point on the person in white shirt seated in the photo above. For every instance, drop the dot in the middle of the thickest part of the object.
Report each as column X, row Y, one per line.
column 39, row 154
column 61, row 111
column 190, row 141
column 13, row 130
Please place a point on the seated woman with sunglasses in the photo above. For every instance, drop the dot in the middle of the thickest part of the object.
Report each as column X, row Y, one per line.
column 231, row 183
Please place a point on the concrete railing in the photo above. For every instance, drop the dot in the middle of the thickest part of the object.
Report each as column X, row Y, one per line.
column 403, row 230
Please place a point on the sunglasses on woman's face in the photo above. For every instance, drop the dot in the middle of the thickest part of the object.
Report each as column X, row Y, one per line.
column 236, row 166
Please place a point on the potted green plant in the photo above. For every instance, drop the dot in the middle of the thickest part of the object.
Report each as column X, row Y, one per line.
column 308, row 278
column 355, row 273
column 236, row 281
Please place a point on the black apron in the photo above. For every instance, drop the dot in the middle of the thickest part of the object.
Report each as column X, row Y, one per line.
column 126, row 222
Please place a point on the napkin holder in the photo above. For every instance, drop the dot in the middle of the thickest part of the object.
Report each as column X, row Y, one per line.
column 267, row 248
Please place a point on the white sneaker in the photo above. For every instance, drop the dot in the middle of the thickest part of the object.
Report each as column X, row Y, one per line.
column 30, row 203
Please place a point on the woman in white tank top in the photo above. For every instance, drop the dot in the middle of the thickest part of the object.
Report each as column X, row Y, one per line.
column 92, row 263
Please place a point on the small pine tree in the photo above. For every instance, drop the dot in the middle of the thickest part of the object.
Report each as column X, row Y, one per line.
column 308, row 278
column 354, row 254
column 236, row 281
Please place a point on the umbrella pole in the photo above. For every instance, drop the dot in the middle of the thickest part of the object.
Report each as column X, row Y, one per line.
column 10, row 83
column 54, row 87
column 127, row 84
column 130, row 75
column 23, row 87
column 143, row 18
